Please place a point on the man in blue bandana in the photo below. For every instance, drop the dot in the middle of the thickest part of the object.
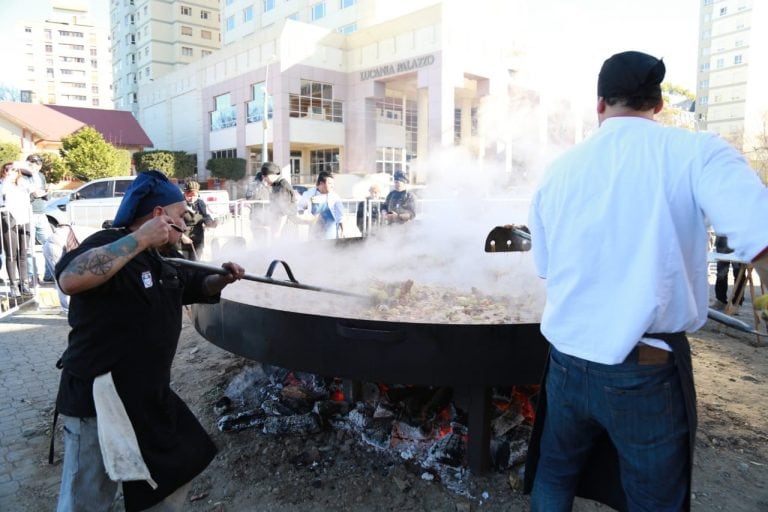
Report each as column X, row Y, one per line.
column 125, row 312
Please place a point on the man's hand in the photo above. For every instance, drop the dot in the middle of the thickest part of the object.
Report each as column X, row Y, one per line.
column 214, row 283
column 158, row 232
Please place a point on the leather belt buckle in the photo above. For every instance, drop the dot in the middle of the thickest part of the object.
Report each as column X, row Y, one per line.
column 647, row 354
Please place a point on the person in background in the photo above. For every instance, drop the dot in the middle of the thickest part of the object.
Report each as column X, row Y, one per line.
column 372, row 203
column 125, row 313
column 63, row 239
column 400, row 204
column 617, row 416
column 282, row 198
column 16, row 227
column 38, row 195
column 721, row 280
column 322, row 208
column 197, row 219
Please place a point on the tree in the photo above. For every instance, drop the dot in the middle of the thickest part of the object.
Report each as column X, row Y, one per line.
column 174, row 164
column 677, row 99
column 9, row 152
column 9, row 93
column 88, row 156
column 227, row 168
column 54, row 167
column 756, row 149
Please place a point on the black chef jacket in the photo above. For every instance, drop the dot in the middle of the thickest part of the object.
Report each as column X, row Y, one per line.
column 130, row 326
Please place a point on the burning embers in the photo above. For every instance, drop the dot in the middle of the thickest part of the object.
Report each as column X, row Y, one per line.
column 425, row 425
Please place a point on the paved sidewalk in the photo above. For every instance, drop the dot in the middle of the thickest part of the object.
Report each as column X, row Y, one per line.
column 31, row 341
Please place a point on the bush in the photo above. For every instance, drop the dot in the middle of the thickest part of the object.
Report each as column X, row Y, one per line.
column 88, row 156
column 54, row 167
column 227, row 168
column 174, row 164
column 9, row 152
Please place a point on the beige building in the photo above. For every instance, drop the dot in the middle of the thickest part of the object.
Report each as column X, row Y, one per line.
column 733, row 70
column 65, row 60
column 382, row 97
column 151, row 38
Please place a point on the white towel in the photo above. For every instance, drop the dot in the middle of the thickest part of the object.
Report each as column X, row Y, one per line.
column 119, row 447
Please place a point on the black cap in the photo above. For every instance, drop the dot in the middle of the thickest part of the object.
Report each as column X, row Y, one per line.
column 34, row 159
column 270, row 168
column 631, row 74
column 401, row 176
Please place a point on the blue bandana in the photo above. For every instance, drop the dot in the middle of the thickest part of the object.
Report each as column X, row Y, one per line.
column 149, row 189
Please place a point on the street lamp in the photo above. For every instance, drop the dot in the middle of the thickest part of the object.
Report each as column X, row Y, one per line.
column 265, row 114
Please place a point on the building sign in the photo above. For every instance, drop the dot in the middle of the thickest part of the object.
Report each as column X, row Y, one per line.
column 397, row 68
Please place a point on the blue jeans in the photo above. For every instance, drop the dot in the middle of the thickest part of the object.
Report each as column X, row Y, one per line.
column 640, row 407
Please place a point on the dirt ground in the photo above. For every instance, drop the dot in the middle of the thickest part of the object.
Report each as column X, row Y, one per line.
column 335, row 471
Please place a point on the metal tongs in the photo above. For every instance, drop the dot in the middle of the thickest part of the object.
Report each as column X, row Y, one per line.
column 291, row 282
column 737, row 324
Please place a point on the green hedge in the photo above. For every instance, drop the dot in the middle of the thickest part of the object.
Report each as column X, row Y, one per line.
column 227, row 168
column 174, row 164
column 9, row 152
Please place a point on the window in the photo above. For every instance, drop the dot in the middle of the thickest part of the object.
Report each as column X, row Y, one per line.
column 205, row 34
column 348, row 29
column 294, row 16
column 49, row 72
column 269, row 5
column 390, row 111
column 248, row 14
column 315, row 102
column 230, row 23
column 28, row 30
column 95, row 102
column 255, row 107
column 186, row 11
column 704, row 84
column 48, row 48
column 69, row 33
column 389, row 160
column 318, row 11
column 205, row 53
column 48, row 34
column 204, row 15
column 324, row 160
column 411, row 129
column 720, row 63
column 186, row 31
column 705, row 66
column 703, row 100
column 229, row 2
column 723, row 11
column 31, row 69
column 739, row 43
column 737, row 59
column 95, row 89
column 223, row 115
column 94, row 52
column 186, row 51
column 347, row 3
column 224, row 153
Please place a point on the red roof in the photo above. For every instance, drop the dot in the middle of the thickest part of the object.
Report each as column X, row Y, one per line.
column 118, row 127
column 47, row 124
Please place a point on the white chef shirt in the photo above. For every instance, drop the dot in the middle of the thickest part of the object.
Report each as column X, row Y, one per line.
column 618, row 231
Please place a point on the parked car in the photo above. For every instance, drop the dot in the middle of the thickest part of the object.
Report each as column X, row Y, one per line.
column 91, row 204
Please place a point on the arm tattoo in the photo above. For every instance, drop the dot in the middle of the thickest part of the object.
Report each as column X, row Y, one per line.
column 99, row 261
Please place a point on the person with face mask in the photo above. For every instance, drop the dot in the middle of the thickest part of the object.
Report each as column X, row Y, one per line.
column 400, row 204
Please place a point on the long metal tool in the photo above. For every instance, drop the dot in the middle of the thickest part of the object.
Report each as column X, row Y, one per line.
column 737, row 324
column 267, row 278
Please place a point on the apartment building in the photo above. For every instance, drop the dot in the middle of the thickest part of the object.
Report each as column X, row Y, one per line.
column 406, row 82
column 151, row 38
column 66, row 59
column 733, row 71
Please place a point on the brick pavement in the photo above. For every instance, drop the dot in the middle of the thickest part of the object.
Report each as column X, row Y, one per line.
column 30, row 343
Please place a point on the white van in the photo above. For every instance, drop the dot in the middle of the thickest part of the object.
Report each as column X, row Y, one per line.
column 91, row 204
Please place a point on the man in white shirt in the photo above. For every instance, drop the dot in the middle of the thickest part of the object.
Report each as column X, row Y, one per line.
column 618, row 232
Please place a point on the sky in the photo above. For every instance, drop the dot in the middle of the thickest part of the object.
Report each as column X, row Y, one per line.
column 569, row 39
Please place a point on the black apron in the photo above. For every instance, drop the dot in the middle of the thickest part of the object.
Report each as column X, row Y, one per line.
column 600, row 478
